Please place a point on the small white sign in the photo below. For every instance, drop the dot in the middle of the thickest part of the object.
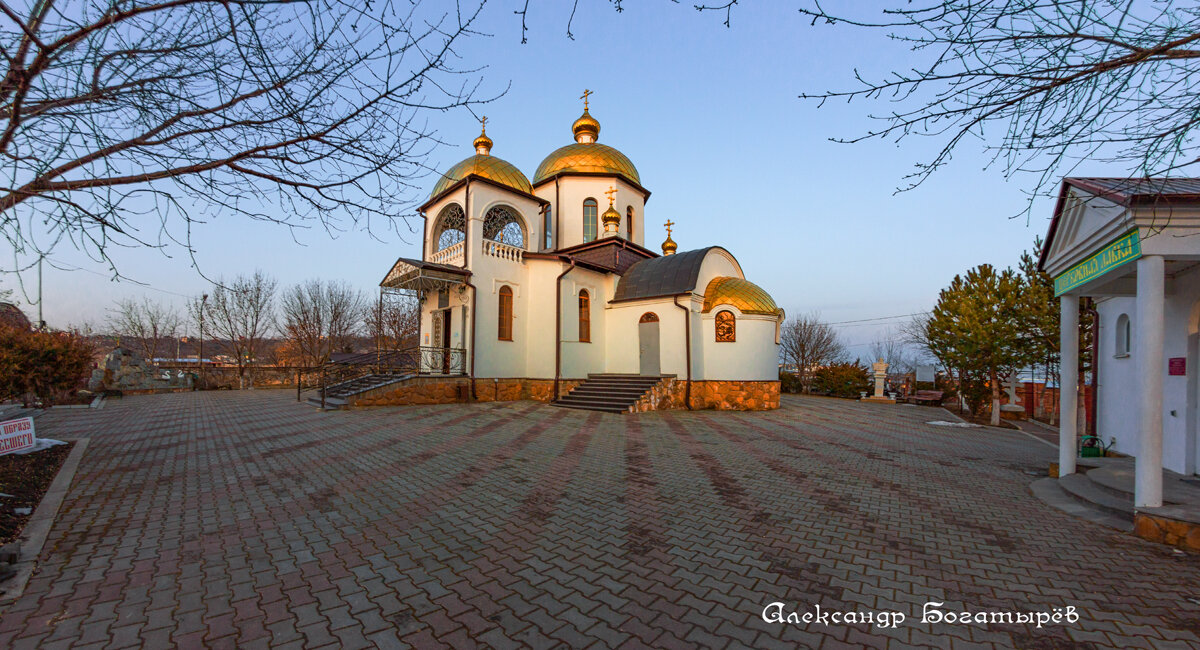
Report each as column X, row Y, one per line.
column 926, row 373
column 17, row 435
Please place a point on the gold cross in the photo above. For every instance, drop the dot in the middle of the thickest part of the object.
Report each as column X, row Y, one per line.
column 483, row 124
column 586, row 92
column 611, row 191
column 668, row 224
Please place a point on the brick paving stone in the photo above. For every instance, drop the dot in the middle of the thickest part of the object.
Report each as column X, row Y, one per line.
column 244, row 519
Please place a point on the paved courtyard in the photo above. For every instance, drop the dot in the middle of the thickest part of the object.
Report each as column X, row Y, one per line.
column 246, row 520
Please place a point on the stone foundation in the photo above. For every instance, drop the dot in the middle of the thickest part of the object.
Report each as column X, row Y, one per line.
column 670, row 394
column 1174, row 532
column 449, row 390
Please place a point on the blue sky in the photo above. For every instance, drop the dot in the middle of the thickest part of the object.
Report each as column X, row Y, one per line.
column 712, row 120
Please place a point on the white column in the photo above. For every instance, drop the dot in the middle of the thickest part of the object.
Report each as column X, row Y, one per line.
column 1068, row 385
column 1148, row 332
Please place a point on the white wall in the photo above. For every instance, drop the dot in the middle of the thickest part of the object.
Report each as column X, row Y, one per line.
column 573, row 190
column 753, row 355
column 1117, row 397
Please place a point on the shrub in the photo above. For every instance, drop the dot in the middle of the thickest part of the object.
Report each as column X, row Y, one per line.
column 790, row 382
column 841, row 380
column 41, row 365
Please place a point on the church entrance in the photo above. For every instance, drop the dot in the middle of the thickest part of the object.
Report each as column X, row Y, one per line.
column 648, row 345
column 441, row 340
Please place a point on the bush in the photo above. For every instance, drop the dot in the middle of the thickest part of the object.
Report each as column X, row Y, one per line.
column 789, row 382
column 841, row 380
column 41, row 365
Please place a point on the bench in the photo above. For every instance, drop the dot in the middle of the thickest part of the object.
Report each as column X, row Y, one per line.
column 931, row 397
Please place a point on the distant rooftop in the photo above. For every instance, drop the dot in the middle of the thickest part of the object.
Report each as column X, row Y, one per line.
column 1126, row 190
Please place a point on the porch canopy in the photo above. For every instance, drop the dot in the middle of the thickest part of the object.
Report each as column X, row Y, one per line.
column 421, row 277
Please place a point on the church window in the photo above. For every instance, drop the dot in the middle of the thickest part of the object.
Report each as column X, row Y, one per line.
column 451, row 227
column 1124, row 329
column 726, row 327
column 548, row 228
column 629, row 222
column 589, row 220
column 501, row 224
column 585, row 317
column 505, row 328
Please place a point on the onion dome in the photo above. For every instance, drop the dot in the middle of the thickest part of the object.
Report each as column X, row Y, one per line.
column 749, row 298
column 485, row 165
column 586, row 155
column 611, row 218
column 586, row 129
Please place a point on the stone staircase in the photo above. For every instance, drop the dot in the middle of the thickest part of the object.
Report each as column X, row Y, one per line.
column 1101, row 491
column 338, row 395
column 610, row 393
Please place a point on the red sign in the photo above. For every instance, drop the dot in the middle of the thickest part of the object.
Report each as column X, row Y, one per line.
column 1177, row 366
column 16, row 435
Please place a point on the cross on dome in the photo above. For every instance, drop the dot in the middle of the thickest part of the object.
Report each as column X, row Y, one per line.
column 584, row 97
column 610, row 192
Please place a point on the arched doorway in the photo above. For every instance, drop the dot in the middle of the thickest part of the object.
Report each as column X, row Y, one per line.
column 648, row 345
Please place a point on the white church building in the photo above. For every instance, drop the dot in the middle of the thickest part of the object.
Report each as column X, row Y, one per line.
column 529, row 289
column 1133, row 245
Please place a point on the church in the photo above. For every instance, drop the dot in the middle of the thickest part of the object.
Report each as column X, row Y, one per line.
column 546, row 290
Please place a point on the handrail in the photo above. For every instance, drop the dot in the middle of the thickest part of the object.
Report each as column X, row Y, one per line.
column 419, row 360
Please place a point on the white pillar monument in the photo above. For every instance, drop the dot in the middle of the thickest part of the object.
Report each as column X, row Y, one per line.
column 879, row 368
column 1068, row 385
column 1148, row 331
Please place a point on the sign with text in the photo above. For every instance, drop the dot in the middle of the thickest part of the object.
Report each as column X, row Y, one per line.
column 1177, row 366
column 16, row 435
column 1124, row 250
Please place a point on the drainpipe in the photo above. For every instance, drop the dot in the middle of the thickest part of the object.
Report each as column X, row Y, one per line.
column 1091, row 309
column 687, row 338
column 467, row 265
column 558, row 322
column 557, row 214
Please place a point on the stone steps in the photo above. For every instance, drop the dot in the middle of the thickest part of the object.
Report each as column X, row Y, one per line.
column 608, row 393
column 338, row 395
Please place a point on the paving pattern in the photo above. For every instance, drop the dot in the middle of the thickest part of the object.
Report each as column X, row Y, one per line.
column 229, row 519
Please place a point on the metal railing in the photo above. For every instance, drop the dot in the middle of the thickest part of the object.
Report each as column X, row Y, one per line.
column 411, row 361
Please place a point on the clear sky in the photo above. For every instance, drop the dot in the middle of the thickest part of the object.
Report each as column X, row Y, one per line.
column 711, row 118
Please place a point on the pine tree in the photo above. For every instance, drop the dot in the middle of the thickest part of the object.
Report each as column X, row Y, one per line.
column 980, row 326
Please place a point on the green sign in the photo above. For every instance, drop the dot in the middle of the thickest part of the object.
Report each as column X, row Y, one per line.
column 1125, row 249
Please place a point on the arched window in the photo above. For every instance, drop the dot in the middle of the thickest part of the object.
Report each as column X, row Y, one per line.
column 629, row 222
column 504, row 330
column 585, row 317
column 451, row 227
column 589, row 220
column 648, row 317
column 502, row 225
column 726, row 327
column 1124, row 338
column 548, row 228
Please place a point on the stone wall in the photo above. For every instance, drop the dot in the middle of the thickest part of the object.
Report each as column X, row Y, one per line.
column 226, row 377
column 670, row 394
column 1175, row 532
column 126, row 371
column 448, row 390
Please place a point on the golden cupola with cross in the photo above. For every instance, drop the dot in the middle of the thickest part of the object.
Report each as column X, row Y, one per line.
column 586, row 155
column 484, row 165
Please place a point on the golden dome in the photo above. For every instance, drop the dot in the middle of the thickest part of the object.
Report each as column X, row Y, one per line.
column 594, row 158
column 669, row 246
column 749, row 298
column 487, row 166
column 586, row 129
column 482, row 144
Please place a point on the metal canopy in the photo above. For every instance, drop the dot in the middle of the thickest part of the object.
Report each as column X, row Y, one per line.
column 417, row 275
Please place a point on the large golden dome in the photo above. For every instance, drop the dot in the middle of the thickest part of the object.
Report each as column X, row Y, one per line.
column 748, row 297
column 487, row 166
column 594, row 158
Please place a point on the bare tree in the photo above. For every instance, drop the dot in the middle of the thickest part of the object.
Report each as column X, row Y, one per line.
column 146, row 323
column 393, row 324
column 807, row 343
column 320, row 317
column 1042, row 84
column 241, row 313
column 302, row 112
column 892, row 349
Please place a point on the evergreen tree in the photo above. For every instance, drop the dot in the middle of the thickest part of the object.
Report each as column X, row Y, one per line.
column 980, row 326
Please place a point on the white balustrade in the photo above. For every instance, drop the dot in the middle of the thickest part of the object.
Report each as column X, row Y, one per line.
column 452, row 255
column 503, row 251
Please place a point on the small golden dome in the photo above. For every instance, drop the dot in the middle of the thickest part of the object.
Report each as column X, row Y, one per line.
column 483, row 145
column 669, row 246
column 749, row 298
column 586, row 129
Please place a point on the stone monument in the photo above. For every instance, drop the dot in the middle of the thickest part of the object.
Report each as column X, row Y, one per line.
column 1013, row 410
column 880, row 370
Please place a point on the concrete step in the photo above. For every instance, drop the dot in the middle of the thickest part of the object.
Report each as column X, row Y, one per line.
column 604, row 391
column 598, row 401
column 1081, row 488
column 603, row 409
column 1050, row 492
column 331, row 403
